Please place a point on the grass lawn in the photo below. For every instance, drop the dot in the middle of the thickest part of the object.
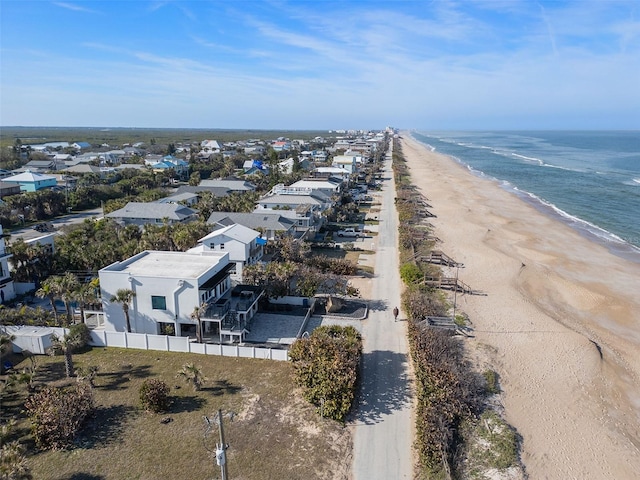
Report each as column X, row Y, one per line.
column 271, row 431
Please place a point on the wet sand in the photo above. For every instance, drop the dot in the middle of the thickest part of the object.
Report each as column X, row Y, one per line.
column 559, row 320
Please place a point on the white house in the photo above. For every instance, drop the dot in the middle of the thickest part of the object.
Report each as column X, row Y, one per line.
column 244, row 245
column 270, row 224
column 168, row 286
column 7, row 291
column 330, row 186
column 333, row 172
column 210, row 146
column 347, row 162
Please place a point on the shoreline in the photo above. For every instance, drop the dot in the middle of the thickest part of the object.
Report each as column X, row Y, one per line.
column 560, row 322
column 590, row 231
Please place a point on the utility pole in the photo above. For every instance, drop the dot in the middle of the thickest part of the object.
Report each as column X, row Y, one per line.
column 221, row 451
column 221, row 448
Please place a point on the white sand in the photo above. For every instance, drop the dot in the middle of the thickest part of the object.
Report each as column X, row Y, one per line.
column 550, row 294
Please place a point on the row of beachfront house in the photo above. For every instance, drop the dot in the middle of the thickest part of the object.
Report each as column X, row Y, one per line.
column 170, row 286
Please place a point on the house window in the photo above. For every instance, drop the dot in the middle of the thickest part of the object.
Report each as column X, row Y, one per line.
column 222, row 246
column 158, row 302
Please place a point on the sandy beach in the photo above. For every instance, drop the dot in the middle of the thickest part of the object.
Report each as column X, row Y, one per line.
column 559, row 320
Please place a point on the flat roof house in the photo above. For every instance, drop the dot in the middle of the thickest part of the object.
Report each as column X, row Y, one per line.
column 168, row 287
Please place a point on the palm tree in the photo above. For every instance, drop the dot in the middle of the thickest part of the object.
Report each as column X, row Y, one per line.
column 86, row 293
column 68, row 285
column 76, row 337
column 197, row 316
column 50, row 289
column 192, row 374
column 124, row 296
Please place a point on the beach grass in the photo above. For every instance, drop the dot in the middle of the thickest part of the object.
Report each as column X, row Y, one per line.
column 491, row 445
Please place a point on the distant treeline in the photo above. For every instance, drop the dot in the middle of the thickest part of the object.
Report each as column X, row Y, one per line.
column 117, row 136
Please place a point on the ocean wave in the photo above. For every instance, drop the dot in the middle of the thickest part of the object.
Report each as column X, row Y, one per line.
column 542, row 163
column 636, row 181
column 573, row 221
column 529, row 159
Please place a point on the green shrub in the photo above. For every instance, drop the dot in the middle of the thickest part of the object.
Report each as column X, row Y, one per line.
column 57, row 414
column 154, row 395
column 410, row 273
column 326, row 367
column 81, row 334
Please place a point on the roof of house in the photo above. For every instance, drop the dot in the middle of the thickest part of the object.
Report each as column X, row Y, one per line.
column 312, row 198
column 178, row 197
column 236, row 232
column 230, row 184
column 338, row 170
column 323, row 183
column 161, row 264
column 40, row 163
column 216, row 191
column 270, row 221
column 84, row 168
column 29, row 177
column 154, row 210
column 134, row 166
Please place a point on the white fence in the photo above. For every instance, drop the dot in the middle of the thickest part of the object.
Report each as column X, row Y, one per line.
column 167, row 343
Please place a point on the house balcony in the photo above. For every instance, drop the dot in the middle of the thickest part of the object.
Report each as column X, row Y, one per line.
column 233, row 312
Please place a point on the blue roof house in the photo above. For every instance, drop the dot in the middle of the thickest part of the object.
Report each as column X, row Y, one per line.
column 31, row 181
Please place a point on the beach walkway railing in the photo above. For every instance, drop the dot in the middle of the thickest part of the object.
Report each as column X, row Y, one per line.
column 438, row 257
column 448, row 283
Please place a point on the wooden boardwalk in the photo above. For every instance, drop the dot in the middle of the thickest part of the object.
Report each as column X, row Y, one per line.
column 448, row 283
column 445, row 323
column 437, row 257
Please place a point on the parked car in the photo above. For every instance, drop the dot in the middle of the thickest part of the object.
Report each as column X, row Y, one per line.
column 350, row 232
column 44, row 227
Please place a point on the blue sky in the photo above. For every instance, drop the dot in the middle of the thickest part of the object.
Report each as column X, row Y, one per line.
column 440, row 65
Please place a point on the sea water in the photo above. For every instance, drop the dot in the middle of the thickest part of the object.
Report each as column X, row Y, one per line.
column 587, row 179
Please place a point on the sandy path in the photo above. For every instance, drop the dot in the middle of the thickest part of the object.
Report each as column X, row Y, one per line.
column 560, row 322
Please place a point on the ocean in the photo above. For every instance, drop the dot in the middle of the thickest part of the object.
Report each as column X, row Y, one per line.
column 589, row 180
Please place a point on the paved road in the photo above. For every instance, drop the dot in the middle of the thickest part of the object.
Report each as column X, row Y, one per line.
column 383, row 422
column 73, row 218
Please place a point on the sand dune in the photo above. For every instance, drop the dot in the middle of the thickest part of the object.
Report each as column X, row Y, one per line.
column 560, row 322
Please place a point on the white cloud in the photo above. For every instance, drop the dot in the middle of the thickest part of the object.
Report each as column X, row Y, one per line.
column 74, row 7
